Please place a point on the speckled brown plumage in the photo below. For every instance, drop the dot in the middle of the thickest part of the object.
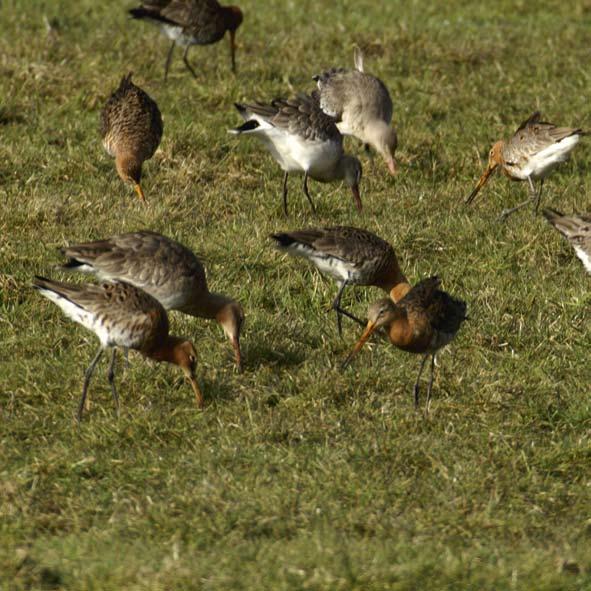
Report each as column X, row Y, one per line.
column 121, row 315
column 423, row 321
column 131, row 129
column 166, row 270
column 352, row 256
column 192, row 22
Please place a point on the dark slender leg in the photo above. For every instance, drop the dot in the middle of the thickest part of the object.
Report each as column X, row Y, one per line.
column 430, row 386
column 168, row 59
column 111, row 378
column 336, row 306
column 307, row 193
column 532, row 197
column 539, row 196
column 186, row 61
column 87, row 376
column 126, row 357
column 416, row 388
column 285, row 193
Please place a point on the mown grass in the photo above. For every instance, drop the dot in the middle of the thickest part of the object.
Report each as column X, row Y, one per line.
column 298, row 476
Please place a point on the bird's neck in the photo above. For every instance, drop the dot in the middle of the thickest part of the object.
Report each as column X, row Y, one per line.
column 166, row 351
column 209, row 305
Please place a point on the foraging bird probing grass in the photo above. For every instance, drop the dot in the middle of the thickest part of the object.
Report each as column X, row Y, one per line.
column 423, row 321
column 192, row 22
column 530, row 155
column 302, row 139
column 165, row 269
column 131, row 129
column 121, row 315
column 361, row 106
column 350, row 255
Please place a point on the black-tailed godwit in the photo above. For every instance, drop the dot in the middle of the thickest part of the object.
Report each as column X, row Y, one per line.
column 422, row 322
column 166, row 270
column 131, row 128
column 351, row 256
column 121, row 315
column 192, row 22
column 361, row 106
column 531, row 154
column 302, row 139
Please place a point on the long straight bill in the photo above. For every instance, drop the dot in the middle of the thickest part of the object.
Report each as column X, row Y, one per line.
column 369, row 329
column 480, row 184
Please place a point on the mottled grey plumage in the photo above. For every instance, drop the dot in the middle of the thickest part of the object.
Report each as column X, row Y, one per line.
column 361, row 106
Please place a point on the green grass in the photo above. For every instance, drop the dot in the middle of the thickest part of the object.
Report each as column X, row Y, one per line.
column 296, row 475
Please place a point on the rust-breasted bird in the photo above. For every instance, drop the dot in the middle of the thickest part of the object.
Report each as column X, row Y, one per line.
column 131, row 129
column 121, row 315
column 425, row 320
column 535, row 149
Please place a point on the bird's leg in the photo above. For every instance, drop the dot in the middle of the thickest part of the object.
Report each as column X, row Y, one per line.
column 87, row 376
column 168, row 60
column 336, row 306
column 186, row 62
column 285, row 193
column 532, row 196
column 126, row 357
column 539, row 196
column 306, row 192
column 111, row 378
column 430, row 386
column 416, row 387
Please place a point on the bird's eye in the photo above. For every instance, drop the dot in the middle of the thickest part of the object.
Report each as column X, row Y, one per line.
column 192, row 358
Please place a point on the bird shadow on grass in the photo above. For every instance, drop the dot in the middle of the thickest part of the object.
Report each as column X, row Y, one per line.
column 264, row 355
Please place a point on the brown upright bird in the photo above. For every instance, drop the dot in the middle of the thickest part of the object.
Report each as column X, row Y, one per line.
column 121, row 315
column 131, row 128
column 423, row 322
column 576, row 229
column 350, row 255
column 531, row 154
column 165, row 269
column 192, row 22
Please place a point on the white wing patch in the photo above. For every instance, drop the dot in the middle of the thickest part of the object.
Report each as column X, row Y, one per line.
column 585, row 257
column 540, row 164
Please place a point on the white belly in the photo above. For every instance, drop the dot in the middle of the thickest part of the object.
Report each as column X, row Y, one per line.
column 541, row 164
column 585, row 258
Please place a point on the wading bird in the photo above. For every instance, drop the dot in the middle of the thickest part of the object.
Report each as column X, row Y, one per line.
column 165, row 269
column 576, row 229
column 351, row 256
column 361, row 106
column 191, row 22
column 131, row 129
column 302, row 139
column 121, row 315
column 423, row 321
column 531, row 154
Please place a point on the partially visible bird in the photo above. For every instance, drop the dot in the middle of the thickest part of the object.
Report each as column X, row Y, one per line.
column 576, row 229
column 531, row 154
column 191, row 22
column 361, row 106
column 302, row 139
column 422, row 322
column 166, row 270
column 121, row 315
column 131, row 129
column 350, row 255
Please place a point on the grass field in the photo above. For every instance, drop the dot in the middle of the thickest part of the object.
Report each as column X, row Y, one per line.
column 297, row 475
